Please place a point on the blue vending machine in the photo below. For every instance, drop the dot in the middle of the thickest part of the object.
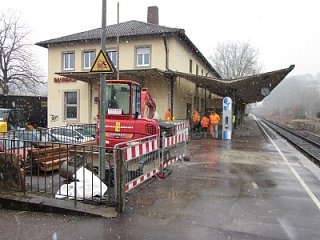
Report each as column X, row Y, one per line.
column 227, row 119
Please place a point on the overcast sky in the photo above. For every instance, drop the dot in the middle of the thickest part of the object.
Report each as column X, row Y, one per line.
column 284, row 31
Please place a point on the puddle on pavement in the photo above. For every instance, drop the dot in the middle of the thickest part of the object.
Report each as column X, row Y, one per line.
column 250, row 169
column 148, row 200
column 267, row 183
column 164, row 216
column 145, row 200
column 186, row 195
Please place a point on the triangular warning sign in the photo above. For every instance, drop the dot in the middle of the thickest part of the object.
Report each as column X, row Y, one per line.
column 102, row 64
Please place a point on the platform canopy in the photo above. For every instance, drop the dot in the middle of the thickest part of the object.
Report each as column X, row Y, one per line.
column 246, row 90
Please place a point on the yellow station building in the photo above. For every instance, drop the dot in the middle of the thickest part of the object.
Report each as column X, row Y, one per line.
column 160, row 58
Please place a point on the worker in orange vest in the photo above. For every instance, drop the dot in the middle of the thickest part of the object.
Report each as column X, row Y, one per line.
column 204, row 125
column 214, row 121
column 195, row 120
column 167, row 115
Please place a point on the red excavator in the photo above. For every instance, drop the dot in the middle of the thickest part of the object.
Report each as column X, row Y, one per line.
column 129, row 113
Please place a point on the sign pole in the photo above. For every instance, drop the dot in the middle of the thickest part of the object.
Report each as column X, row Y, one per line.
column 118, row 73
column 102, row 133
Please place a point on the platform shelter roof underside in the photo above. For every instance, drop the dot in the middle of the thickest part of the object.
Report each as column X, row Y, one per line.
column 245, row 90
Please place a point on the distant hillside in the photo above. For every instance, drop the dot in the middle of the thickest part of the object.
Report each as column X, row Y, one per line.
column 295, row 97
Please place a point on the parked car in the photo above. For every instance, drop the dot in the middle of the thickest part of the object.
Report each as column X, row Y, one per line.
column 90, row 129
column 71, row 134
column 34, row 137
column 13, row 147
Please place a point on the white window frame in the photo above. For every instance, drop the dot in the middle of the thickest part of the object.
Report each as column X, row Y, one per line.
column 91, row 59
column 113, row 58
column 145, row 53
column 66, row 105
column 70, row 66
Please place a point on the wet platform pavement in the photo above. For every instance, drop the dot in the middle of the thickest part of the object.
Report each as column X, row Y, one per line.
column 238, row 189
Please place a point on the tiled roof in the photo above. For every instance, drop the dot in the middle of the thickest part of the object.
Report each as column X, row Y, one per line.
column 130, row 29
column 126, row 29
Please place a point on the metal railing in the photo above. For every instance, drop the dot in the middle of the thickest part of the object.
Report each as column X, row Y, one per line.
column 70, row 171
column 63, row 170
column 76, row 133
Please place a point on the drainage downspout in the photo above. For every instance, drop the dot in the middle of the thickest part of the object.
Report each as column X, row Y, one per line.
column 90, row 102
column 165, row 42
column 171, row 80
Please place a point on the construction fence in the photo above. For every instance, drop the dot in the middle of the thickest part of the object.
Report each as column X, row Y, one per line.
column 71, row 171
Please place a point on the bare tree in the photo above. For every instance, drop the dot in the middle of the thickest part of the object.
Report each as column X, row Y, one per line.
column 19, row 71
column 235, row 60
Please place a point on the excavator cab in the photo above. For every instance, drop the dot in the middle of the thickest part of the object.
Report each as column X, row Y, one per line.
column 118, row 99
column 129, row 112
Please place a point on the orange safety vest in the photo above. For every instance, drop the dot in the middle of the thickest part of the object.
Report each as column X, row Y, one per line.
column 167, row 115
column 214, row 118
column 195, row 117
column 205, row 122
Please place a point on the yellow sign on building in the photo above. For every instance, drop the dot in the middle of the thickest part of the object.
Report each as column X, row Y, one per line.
column 102, row 64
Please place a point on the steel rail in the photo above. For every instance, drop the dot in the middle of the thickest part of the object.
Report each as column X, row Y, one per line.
column 307, row 142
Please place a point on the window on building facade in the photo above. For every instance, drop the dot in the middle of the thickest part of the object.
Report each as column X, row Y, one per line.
column 68, row 61
column 88, row 59
column 71, row 105
column 143, row 57
column 201, row 72
column 113, row 56
column 197, row 69
column 190, row 66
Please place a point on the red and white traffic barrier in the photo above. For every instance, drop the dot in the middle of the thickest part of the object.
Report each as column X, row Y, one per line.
column 169, row 141
column 141, row 149
column 141, row 179
column 172, row 161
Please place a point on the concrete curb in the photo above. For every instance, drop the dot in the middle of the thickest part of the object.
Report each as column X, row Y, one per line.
column 41, row 203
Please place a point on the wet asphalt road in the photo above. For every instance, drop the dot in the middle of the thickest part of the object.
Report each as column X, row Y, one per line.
column 239, row 189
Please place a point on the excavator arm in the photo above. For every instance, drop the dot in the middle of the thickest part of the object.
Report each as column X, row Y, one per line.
column 148, row 106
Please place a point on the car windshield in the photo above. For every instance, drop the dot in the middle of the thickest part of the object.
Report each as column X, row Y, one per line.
column 36, row 136
column 4, row 113
column 84, row 132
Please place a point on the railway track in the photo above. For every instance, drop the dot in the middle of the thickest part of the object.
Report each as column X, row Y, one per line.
column 306, row 142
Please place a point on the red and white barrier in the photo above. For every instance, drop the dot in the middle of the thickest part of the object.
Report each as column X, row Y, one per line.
column 182, row 126
column 132, row 154
column 150, row 174
column 169, row 141
column 141, row 179
column 141, row 149
column 172, row 161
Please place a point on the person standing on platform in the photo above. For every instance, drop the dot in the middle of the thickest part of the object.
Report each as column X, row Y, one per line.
column 167, row 115
column 204, row 125
column 214, row 121
column 195, row 120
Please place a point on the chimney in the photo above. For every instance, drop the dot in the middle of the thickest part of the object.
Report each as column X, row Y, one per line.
column 153, row 15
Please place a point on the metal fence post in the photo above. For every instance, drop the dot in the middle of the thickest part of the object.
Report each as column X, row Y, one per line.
column 120, row 181
column 163, row 147
column 75, row 176
column 159, row 153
